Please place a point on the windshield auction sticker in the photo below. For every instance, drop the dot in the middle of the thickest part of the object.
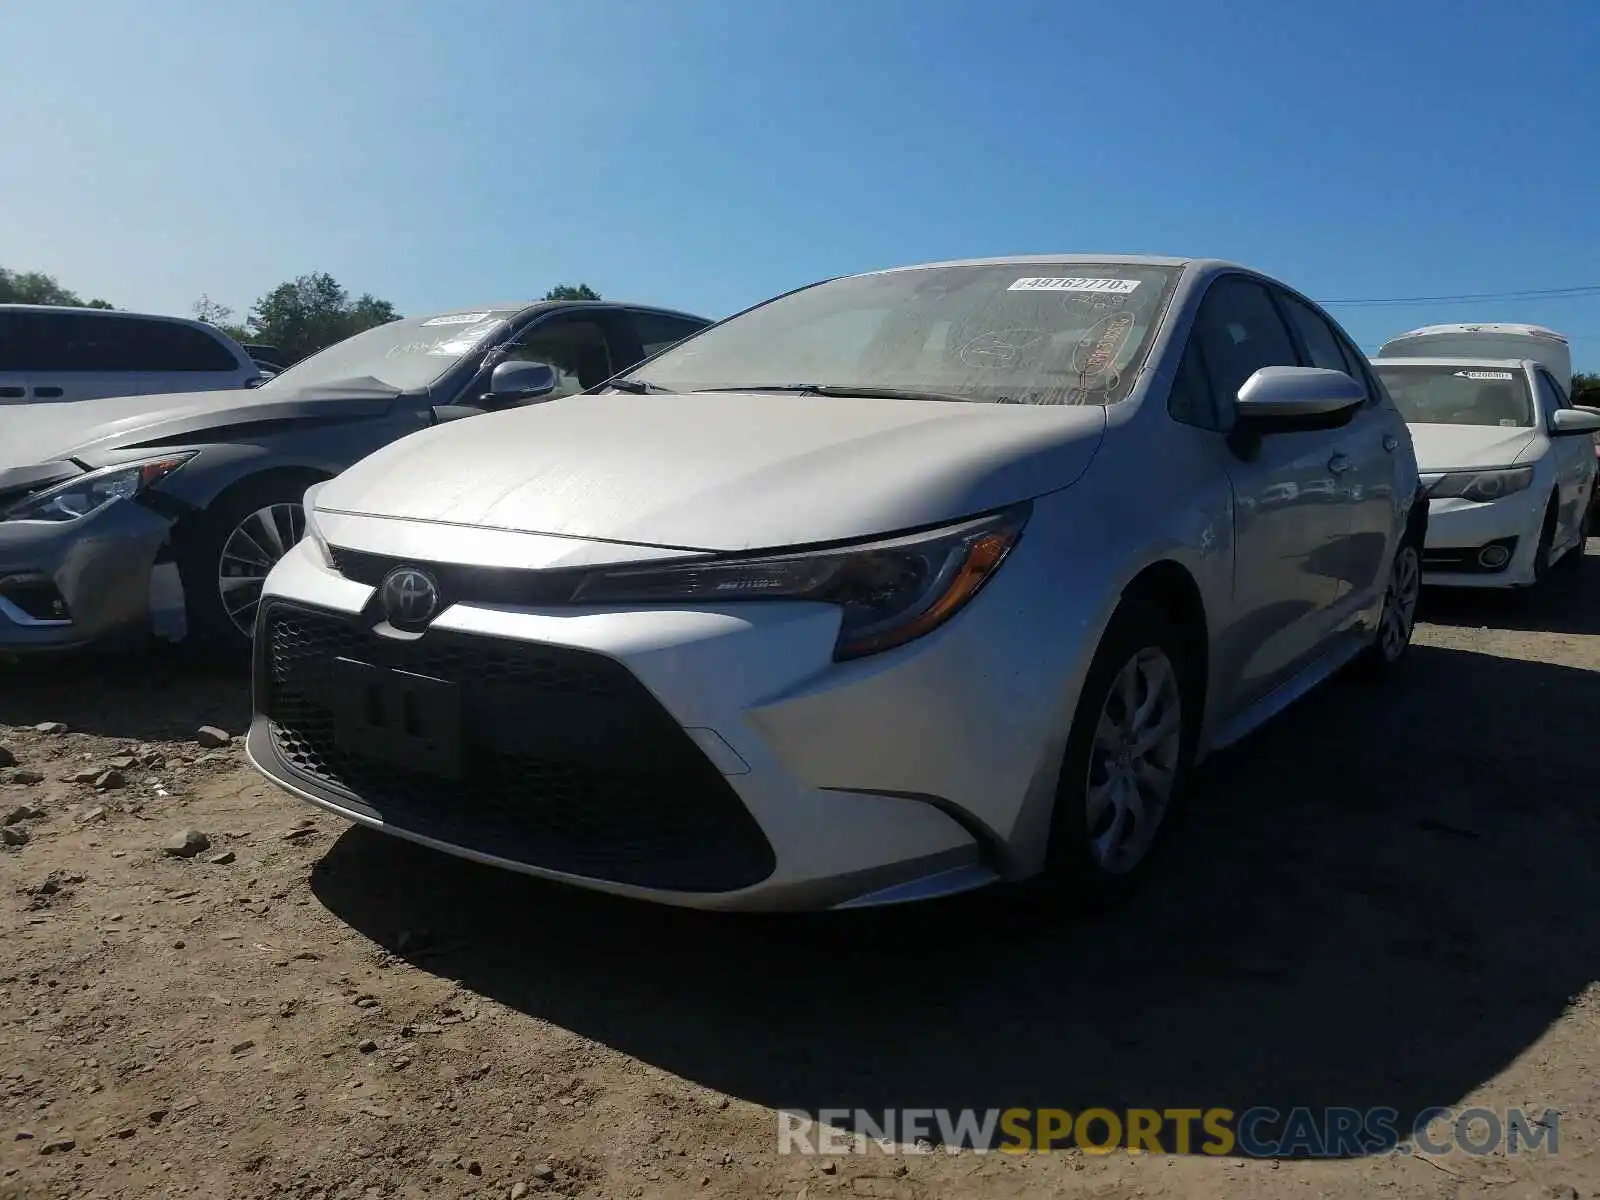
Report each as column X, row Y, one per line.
column 1484, row 375
column 1048, row 283
column 457, row 319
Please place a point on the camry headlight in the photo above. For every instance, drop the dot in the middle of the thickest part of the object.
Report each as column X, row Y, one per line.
column 313, row 531
column 86, row 494
column 889, row 591
column 1483, row 486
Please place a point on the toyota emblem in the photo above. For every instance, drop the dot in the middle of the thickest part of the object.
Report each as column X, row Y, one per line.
column 410, row 596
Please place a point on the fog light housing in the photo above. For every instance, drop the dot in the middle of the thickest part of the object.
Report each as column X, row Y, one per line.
column 1494, row 557
column 35, row 599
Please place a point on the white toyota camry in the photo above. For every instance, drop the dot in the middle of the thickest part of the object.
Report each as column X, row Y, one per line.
column 890, row 587
column 1508, row 464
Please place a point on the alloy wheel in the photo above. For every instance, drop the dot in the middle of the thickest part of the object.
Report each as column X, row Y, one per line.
column 1400, row 603
column 249, row 553
column 1133, row 762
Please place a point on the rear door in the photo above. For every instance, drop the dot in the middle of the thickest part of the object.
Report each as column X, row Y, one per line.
column 1368, row 464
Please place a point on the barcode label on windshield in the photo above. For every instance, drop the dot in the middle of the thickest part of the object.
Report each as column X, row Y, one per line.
column 1485, row 375
column 1052, row 283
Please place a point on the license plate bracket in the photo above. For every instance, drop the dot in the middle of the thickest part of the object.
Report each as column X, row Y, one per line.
column 398, row 717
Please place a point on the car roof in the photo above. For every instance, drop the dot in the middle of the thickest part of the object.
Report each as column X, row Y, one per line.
column 532, row 306
column 1136, row 260
column 1408, row 360
column 99, row 312
column 1480, row 327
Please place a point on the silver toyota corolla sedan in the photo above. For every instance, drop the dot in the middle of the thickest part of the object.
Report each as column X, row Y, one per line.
column 891, row 587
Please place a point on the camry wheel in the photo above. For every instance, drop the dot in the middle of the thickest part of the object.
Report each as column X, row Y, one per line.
column 249, row 553
column 1127, row 757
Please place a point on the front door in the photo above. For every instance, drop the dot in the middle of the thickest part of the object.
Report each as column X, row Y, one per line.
column 1575, row 465
column 1290, row 525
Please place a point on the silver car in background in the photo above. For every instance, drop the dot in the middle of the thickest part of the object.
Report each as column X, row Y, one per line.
column 894, row 586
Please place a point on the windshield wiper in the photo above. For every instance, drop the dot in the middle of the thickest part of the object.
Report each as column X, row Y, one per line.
column 637, row 387
column 846, row 390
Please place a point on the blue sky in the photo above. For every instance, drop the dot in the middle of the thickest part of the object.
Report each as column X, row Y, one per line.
column 709, row 153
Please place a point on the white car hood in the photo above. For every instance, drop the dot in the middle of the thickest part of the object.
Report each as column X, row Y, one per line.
column 722, row 472
column 1445, row 447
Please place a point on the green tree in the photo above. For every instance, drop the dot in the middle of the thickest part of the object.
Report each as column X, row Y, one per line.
column 311, row 313
column 35, row 287
column 1586, row 389
column 568, row 291
column 208, row 310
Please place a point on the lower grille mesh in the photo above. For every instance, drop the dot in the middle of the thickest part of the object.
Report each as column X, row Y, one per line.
column 567, row 761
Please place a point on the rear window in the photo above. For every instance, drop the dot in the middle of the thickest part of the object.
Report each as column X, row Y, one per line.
column 1459, row 395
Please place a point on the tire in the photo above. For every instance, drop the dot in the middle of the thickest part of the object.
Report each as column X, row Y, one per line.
column 1547, row 541
column 1573, row 558
column 1398, row 621
column 244, row 532
column 1084, row 864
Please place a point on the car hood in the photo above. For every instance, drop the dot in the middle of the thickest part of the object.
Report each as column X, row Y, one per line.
column 1443, row 447
column 722, row 472
column 34, row 434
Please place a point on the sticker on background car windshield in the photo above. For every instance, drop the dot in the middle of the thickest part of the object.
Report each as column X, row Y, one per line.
column 456, row 319
column 1101, row 343
column 1051, row 283
column 1484, row 375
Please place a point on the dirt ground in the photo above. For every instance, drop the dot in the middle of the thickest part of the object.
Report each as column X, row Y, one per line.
column 1387, row 898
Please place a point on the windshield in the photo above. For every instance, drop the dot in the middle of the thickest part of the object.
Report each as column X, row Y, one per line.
column 1459, row 395
column 404, row 355
column 1068, row 333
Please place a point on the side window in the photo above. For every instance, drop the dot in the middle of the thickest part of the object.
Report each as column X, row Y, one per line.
column 1239, row 332
column 43, row 341
column 1550, row 381
column 573, row 344
column 1322, row 347
column 108, row 344
column 1550, row 397
column 169, row 346
column 657, row 331
column 1190, row 400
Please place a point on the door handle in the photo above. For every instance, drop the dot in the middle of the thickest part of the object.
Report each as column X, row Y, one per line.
column 1390, row 441
column 1338, row 464
column 47, row 393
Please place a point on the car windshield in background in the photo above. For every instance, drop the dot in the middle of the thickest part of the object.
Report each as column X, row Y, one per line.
column 1459, row 395
column 1033, row 333
column 403, row 355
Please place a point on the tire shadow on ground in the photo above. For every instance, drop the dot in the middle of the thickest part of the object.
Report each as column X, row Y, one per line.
column 1379, row 901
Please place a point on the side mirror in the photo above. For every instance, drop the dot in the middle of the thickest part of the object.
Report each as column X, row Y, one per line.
column 1298, row 398
column 1565, row 422
column 516, row 381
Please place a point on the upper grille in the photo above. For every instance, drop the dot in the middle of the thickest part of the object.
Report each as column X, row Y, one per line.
column 568, row 762
column 460, row 583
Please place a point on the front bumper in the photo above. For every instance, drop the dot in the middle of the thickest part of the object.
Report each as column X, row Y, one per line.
column 711, row 758
column 1459, row 530
column 105, row 581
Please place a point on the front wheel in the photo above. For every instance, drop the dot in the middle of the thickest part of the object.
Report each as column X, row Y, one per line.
column 1127, row 757
column 229, row 552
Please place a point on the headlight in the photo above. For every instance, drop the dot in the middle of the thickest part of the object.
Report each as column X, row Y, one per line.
column 1483, row 486
column 313, row 531
column 890, row 591
column 89, row 493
